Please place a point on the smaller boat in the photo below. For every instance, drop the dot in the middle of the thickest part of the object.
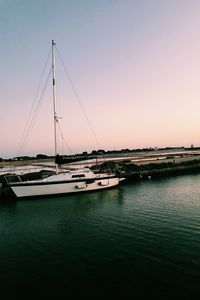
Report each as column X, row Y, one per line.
column 67, row 182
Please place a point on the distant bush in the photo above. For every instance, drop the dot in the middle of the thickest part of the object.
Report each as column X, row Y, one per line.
column 105, row 167
column 130, row 167
column 41, row 156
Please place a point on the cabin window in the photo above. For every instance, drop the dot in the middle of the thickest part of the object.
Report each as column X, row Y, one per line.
column 12, row 178
column 78, row 176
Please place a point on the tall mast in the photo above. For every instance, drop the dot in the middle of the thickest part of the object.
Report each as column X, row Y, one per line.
column 54, row 100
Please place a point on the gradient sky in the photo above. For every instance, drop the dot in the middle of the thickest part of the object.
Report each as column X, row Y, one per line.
column 135, row 65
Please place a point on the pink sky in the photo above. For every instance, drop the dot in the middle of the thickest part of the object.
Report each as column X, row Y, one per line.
column 135, row 66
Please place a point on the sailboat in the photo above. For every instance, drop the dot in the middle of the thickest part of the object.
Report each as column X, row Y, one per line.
column 61, row 182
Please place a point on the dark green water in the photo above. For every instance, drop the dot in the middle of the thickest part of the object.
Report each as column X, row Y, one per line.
column 142, row 237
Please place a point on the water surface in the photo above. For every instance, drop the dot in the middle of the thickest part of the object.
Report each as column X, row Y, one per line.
column 143, row 236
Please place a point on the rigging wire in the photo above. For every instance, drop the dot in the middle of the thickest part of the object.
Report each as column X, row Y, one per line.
column 26, row 128
column 64, row 141
column 35, row 114
column 78, row 98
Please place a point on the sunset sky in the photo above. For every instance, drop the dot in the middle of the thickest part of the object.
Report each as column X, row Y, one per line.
column 134, row 64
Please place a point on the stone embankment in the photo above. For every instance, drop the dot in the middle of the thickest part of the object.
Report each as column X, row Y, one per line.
column 160, row 166
column 154, row 173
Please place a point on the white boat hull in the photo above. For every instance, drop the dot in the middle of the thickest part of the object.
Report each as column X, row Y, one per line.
column 56, row 188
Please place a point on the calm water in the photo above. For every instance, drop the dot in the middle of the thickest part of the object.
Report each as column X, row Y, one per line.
column 144, row 237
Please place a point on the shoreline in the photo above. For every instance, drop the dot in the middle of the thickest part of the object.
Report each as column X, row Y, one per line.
column 132, row 166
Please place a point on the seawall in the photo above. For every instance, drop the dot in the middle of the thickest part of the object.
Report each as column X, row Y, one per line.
column 175, row 170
